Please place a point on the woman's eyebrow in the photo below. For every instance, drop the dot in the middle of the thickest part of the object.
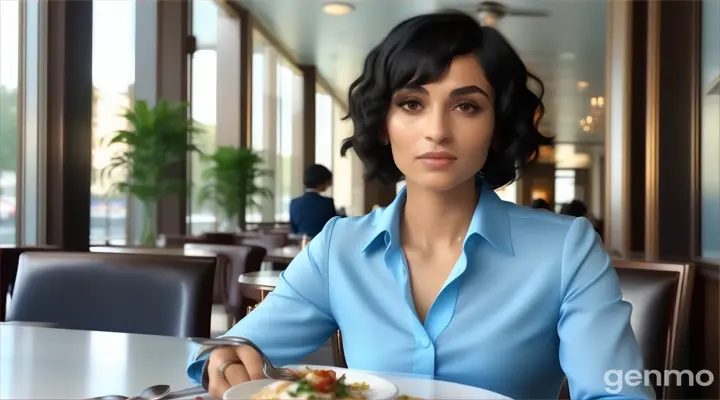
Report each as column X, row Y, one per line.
column 465, row 90
column 461, row 91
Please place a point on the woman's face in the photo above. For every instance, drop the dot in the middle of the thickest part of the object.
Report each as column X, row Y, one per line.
column 440, row 133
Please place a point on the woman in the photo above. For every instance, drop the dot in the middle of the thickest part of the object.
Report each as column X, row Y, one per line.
column 448, row 281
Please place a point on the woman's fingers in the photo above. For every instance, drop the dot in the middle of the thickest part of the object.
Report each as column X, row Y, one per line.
column 217, row 383
column 236, row 374
column 246, row 365
column 252, row 361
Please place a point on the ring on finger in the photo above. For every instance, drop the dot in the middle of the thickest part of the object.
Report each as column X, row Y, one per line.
column 223, row 367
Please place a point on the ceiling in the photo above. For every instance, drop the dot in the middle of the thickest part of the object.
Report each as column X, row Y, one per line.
column 563, row 49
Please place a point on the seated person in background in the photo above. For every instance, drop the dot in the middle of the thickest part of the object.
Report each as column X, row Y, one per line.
column 577, row 208
column 540, row 204
column 310, row 212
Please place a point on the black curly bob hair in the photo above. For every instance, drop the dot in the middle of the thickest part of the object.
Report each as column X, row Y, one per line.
column 419, row 51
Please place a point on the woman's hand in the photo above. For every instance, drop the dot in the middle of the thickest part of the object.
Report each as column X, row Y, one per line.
column 239, row 364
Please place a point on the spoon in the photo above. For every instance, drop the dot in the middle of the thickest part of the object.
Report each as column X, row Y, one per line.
column 156, row 392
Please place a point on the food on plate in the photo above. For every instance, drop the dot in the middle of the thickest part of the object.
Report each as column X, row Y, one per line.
column 406, row 397
column 317, row 384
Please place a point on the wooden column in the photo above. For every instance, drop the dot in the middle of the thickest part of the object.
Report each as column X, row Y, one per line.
column 246, row 54
column 309, row 124
column 625, row 143
column 672, row 141
column 617, row 139
column 69, row 117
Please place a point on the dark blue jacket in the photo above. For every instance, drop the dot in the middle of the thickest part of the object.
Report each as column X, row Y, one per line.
column 310, row 212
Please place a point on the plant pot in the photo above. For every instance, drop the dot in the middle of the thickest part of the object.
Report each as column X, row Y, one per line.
column 228, row 226
column 148, row 238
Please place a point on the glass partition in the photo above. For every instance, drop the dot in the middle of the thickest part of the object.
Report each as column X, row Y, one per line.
column 710, row 134
column 289, row 146
column 9, row 132
column 277, row 128
column 203, row 107
column 113, row 76
column 264, row 121
column 348, row 185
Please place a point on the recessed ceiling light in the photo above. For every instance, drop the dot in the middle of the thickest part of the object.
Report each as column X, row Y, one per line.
column 337, row 8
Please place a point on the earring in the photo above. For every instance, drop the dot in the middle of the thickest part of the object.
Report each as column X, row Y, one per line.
column 386, row 142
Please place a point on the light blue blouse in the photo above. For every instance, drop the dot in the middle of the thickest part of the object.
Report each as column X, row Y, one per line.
column 532, row 297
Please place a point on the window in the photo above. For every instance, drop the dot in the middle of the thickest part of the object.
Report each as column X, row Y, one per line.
column 113, row 76
column 289, row 145
column 277, row 116
column 264, row 101
column 564, row 187
column 324, row 130
column 508, row 193
column 349, row 185
column 203, row 105
column 9, row 133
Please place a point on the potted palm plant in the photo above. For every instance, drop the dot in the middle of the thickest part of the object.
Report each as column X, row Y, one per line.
column 156, row 138
column 231, row 183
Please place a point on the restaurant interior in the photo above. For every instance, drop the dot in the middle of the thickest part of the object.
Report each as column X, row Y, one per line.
column 103, row 277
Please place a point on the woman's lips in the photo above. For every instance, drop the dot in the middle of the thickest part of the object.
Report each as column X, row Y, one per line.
column 437, row 160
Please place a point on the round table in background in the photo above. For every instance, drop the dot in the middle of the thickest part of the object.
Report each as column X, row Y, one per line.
column 46, row 363
column 257, row 285
column 283, row 256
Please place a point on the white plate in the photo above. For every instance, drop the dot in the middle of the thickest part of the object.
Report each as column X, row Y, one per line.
column 441, row 390
column 380, row 389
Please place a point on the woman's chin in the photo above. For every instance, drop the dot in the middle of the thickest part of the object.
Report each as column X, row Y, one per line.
column 439, row 183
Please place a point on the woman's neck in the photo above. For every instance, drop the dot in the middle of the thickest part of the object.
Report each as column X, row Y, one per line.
column 431, row 219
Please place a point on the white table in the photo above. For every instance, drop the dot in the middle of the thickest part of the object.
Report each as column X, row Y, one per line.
column 44, row 363
column 267, row 279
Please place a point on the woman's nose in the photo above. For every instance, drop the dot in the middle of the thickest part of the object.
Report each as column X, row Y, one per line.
column 438, row 126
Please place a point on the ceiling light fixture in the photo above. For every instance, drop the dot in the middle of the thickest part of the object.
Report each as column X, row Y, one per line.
column 338, row 8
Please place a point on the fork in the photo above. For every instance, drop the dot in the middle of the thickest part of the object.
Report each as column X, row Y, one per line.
column 270, row 371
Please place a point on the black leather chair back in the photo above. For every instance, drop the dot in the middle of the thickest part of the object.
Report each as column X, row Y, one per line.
column 660, row 296
column 168, row 295
column 241, row 259
column 9, row 258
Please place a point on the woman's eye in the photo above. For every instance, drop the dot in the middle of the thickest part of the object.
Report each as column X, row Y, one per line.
column 466, row 108
column 410, row 105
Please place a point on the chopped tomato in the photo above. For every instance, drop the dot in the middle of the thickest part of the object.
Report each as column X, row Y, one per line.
column 325, row 386
column 324, row 373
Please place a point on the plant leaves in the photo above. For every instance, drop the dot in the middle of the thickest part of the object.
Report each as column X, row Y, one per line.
column 231, row 180
column 156, row 138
